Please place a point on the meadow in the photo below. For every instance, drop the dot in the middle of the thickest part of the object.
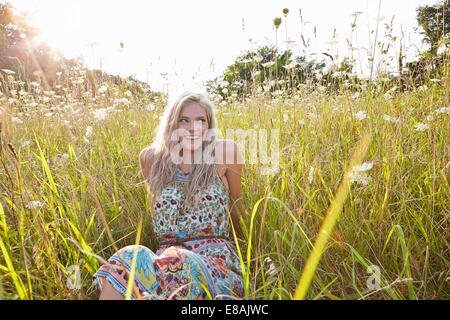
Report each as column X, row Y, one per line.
column 70, row 186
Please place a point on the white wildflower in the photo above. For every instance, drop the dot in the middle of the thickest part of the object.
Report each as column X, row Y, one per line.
column 34, row 204
column 363, row 167
column 224, row 90
column 443, row 110
column 301, row 122
column 421, row 126
column 285, row 117
column 359, row 175
column 435, row 80
column 16, row 120
column 100, row 114
column 361, row 115
column 35, row 84
column 133, row 123
column 430, row 118
column 423, row 88
column 356, row 95
column 127, row 93
column 390, row 118
column 102, row 89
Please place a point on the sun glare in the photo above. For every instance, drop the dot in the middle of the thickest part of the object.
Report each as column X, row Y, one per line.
column 59, row 24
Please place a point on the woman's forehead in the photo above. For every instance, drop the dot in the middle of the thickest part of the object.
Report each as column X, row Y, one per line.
column 193, row 110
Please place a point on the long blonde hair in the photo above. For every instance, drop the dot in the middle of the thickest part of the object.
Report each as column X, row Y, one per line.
column 163, row 168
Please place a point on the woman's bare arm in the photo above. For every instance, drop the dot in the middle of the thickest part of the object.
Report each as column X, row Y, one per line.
column 234, row 174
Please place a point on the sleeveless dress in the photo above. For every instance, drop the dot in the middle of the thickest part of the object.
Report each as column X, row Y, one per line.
column 194, row 253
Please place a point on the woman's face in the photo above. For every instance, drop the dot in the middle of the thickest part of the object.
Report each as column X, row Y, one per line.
column 193, row 124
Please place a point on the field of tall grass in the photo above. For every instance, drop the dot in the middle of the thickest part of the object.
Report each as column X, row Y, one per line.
column 357, row 209
column 70, row 183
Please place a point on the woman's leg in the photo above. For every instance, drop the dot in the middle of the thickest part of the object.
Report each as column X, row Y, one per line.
column 109, row 293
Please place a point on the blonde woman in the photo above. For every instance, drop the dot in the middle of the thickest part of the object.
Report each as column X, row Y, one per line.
column 194, row 181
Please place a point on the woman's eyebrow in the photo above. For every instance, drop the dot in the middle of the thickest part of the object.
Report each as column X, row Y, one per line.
column 199, row 117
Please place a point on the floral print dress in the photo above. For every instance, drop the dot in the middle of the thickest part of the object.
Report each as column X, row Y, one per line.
column 200, row 264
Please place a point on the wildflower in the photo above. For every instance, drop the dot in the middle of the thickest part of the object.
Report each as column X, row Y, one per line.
column 285, row 117
column 421, row 126
column 65, row 156
column 361, row 115
column 127, row 93
column 435, row 80
column 35, row 84
column 359, row 175
column 122, row 101
column 430, row 118
column 102, row 89
column 423, row 88
column 100, row 114
column 389, row 118
column 224, row 90
column 34, row 204
column 301, row 122
column 133, row 123
column 16, row 120
column 443, row 110
column 59, row 73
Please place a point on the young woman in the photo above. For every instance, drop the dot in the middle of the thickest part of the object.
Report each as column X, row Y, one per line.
column 194, row 181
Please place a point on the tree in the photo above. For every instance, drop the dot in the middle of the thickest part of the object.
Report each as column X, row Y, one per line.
column 263, row 68
column 434, row 22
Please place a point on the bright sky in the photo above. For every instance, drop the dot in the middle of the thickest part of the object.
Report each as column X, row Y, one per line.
column 189, row 42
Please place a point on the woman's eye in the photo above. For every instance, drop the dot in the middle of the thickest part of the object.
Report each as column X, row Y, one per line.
column 183, row 120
